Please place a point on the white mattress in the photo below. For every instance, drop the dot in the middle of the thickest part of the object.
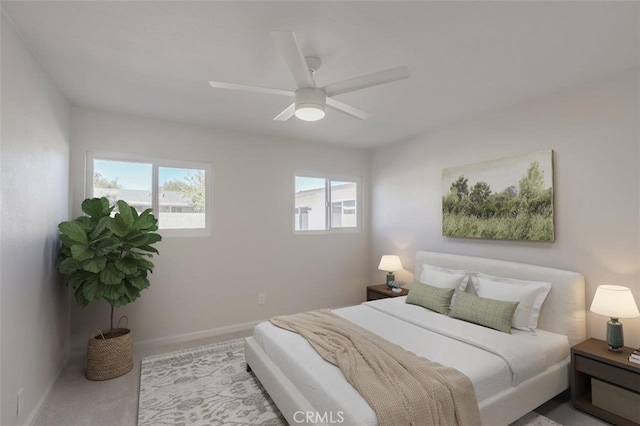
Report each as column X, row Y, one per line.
column 325, row 387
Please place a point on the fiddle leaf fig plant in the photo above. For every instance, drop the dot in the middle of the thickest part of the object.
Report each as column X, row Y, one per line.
column 106, row 257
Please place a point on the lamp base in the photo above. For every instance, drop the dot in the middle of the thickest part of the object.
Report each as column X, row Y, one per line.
column 615, row 338
column 390, row 278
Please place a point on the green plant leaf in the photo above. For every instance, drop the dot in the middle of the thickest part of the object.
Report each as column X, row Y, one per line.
column 80, row 252
column 100, row 226
column 110, row 275
column 95, row 264
column 85, row 222
column 145, row 264
column 113, row 292
column 74, row 232
column 107, row 246
column 131, row 292
column 118, row 227
column 127, row 265
column 100, row 290
column 77, row 278
column 69, row 265
column 65, row 251
column 146, row 221
column 89, row 288
column 149, row 248
column 121, row 301
column 125, row 213
column 80, row 298
column 139, row 282
column 66, row 242
column 96, row 207
column 144, row 239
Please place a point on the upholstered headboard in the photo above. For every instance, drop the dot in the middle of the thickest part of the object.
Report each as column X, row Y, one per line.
column 563, row 312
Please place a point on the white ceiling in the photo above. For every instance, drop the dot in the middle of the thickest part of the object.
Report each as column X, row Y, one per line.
column 465, row 58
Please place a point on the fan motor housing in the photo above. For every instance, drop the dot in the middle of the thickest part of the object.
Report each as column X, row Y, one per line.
column 310, row 102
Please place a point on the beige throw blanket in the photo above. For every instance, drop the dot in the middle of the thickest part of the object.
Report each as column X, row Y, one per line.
column 401, row 387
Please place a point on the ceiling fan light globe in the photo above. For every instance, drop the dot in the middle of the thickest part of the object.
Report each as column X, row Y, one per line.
column 310, row 104
column 310, row 112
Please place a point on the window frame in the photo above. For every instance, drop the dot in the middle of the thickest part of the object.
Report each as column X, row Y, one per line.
column 157, row 163
column 328, row 178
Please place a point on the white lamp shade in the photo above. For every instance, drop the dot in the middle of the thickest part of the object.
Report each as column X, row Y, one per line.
column 390, row 263
column 614, row 301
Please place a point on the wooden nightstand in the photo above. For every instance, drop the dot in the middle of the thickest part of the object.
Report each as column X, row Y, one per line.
column 381, row 291
column 592, row 360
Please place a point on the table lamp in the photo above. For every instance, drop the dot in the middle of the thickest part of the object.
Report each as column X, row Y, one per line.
column 614, row 301
column 390, row 263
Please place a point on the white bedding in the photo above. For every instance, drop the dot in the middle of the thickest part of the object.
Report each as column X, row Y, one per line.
column 525, row 354
column 507, row 360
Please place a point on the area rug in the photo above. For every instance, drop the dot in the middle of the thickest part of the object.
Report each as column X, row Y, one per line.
column 209, row 385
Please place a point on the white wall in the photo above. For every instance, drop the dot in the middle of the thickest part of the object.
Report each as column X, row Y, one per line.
column 593, row 129
column 34, row 164
column 202, row 284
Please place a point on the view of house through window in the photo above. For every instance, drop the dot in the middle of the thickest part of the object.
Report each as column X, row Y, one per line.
column 310, row 204
column 343, row 204
column 182, row 198
column 323, row 203
column 179, row 201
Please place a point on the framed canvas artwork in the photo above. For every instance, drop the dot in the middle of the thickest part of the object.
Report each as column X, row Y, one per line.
column 506, row 199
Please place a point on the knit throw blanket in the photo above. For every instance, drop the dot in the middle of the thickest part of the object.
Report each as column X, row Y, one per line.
column 401, row 387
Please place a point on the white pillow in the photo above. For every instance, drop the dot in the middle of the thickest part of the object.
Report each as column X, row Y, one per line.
column 443, row 278
column 530, row 294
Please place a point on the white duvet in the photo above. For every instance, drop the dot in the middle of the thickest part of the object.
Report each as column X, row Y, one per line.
column 494, row 361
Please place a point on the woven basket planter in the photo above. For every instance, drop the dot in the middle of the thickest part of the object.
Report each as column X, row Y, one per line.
column 109, row 354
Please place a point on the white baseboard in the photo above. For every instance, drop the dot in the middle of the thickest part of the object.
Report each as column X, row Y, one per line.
column 36, row 410
column 179, row 338
column 142, row 344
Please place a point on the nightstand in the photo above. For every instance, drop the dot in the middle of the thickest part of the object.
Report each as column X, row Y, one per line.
column 602, row 381
column 381, row 291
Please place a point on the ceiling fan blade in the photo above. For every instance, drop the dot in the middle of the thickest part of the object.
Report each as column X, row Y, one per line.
column 286, row 114
column 347, row 109
column 373, row 79
column 293, row 57
column 247, row 88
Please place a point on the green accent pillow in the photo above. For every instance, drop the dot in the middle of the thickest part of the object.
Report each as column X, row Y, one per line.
column 430, row 297
column 496, row 314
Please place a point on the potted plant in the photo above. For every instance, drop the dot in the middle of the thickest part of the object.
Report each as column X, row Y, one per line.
column 106, row 257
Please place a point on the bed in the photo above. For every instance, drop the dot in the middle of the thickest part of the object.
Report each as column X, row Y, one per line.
column 511, row 374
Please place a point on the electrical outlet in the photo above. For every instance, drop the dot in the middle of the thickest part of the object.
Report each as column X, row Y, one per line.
column 261, row 299
column 20, row 402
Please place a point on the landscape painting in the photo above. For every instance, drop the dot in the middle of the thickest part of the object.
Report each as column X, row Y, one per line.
column 506, row 199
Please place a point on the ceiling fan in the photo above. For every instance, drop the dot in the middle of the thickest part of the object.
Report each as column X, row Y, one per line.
column 310, row 101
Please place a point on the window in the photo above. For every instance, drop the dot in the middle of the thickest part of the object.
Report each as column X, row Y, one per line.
column 182, row 198
column 323, row 203
column 178, row 192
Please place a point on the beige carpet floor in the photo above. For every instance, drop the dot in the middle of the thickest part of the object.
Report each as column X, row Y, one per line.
column 209, row 385
column 74, row 400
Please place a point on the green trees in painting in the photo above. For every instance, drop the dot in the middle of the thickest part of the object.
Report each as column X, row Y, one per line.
column 522, row 212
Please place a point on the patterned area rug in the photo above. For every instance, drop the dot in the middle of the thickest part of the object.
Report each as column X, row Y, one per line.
column 209, row 385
